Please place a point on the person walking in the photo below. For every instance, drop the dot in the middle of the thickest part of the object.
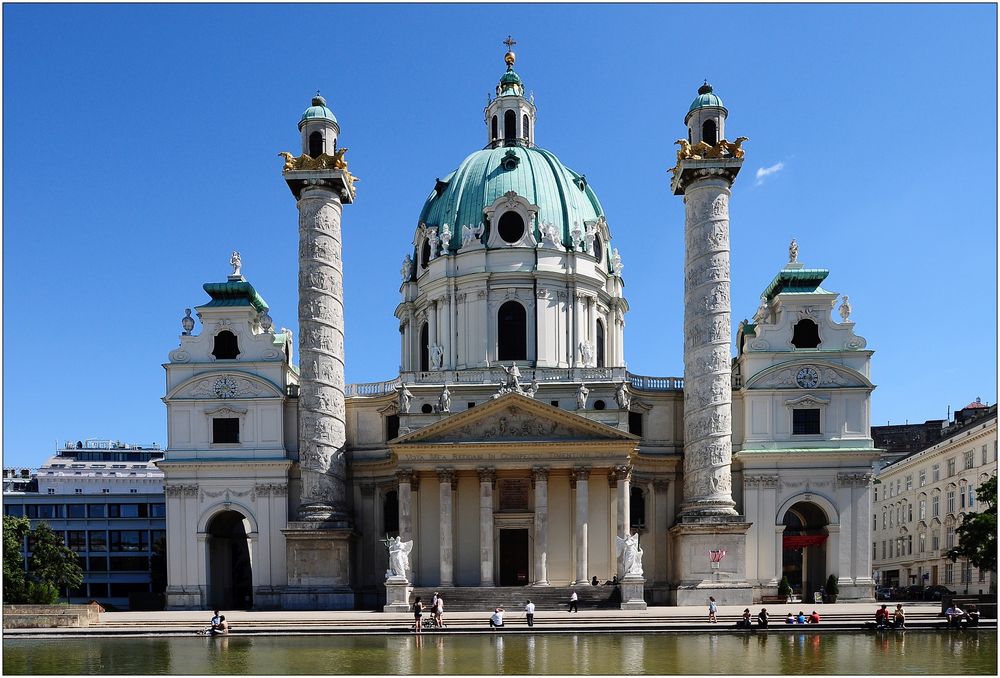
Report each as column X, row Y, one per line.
column 712, row 610
column 418, row 612
column 573, row 598
column 438, row 611
column 529, row 613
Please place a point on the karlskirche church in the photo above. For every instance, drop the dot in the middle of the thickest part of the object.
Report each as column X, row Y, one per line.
column 515, row 452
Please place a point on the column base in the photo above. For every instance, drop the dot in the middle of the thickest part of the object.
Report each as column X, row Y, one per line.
column 397, row 595
column 318, row 560
column 692, row 539
column 632, row 590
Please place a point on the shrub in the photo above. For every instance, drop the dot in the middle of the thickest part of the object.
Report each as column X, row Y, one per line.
column 784, row 588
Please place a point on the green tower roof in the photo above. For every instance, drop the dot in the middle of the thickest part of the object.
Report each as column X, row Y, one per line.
column 800, row 281
column 234, row 293
column 706, row 97
column 318, row 111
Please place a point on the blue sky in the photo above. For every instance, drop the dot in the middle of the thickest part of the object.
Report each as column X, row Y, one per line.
column 140, row 149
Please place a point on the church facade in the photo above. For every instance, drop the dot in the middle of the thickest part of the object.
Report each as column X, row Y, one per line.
column 515, row 449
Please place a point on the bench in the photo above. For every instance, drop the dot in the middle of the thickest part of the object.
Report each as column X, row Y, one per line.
column 773, row 600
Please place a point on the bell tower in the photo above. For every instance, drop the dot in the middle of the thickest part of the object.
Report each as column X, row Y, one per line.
column 510, row 117
column 708, row 521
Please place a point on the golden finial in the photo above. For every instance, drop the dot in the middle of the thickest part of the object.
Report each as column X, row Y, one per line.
column 509, row 56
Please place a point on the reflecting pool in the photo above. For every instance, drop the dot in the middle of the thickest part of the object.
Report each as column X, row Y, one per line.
column 593, row 653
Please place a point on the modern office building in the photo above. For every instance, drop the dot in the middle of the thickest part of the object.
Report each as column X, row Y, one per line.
column 106, row 499
column 919, row 502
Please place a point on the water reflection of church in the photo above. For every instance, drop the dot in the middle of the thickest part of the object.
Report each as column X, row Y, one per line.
column 284, row 484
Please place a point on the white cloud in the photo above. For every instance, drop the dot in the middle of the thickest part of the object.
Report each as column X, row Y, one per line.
column 764, row 172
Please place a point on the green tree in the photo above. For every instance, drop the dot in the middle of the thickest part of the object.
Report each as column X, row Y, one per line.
column 977, row 535
column 51, row 565
column 15, row 582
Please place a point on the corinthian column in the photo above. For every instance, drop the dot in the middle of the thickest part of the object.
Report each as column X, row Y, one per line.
column 581, row 476
column 322, row 429
column 487, row 478
column 707, row 371
column 540, row 478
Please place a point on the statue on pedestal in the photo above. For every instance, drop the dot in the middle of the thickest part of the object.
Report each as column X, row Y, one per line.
column 399, row 557
column 630, row 554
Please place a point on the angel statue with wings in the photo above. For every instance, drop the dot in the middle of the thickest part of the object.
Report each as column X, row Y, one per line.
column 630, row 554
column 399, row 557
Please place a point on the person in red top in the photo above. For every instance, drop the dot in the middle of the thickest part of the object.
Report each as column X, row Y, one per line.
column 814, row 617
column 881, row 617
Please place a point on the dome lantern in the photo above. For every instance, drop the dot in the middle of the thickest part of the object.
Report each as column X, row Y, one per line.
column 319, row 128
column 706, row 118
column 510, row 117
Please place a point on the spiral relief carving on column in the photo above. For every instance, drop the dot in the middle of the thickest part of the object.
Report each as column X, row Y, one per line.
column 707, row 369
column 322, row 411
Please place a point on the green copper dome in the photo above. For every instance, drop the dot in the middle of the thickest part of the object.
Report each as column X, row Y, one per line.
column 318, row 111
column 705, row 98
column 563, row 196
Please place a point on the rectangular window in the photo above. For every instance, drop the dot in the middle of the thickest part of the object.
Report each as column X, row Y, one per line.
column 127, row 510
column 909, row 513
column 98, row 564
column 949, row 538
column 874, row 551
column 909, row 544
column 951, row 501
column 922, row 545
column 157, row 510
column 76, row 510
column 157, row 535
column 922, row 477
column 951, row 467
column 97, row 510
column 969, row 459
column 923, row 509
column 961, row 499
column 635, row 423
column 129, row 564
column 874, row 522
column 76, row 540
column 935, row 506
column 972, row 496
column 16, row 510
column 935, row 473
column 982, row 573
column 897, row 485
column 909, row 482
column 226, row 430
column 935, row 540
column 98, row 540
column 883, row 550
column 949, row 573
column 884, row 524
column 983, row 458
column 129, row 540
column 805, row 422
column 47, row 511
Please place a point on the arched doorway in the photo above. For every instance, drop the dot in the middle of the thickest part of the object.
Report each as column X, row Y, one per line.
column 803, row 552
column 230, row 580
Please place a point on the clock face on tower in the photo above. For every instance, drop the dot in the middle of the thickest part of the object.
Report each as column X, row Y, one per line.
column 225, row 387
column 807, row 377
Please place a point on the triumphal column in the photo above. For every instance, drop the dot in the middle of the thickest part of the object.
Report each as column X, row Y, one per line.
column 708, row 525
column 318, row 539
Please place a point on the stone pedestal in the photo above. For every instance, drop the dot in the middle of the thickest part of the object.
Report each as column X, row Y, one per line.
column 691, row 541
column 632, row 587
column 319, row 572
column 397, row 595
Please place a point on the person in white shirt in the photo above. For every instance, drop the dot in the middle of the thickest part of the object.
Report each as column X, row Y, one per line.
column 572, row 602
column 529, row 613
column 496, row 619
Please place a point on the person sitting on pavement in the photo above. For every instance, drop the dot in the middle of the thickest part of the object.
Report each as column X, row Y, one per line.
column 496, row 619
column 223, row 626
column 214, row 624
column 789, row 619
column 744, row 623
column 971, row 617
column 899, row 617
column 881, row 617
column 762, row 618
column 801, row 618
column 594, row 582
column 954, row 614
column 814, row 617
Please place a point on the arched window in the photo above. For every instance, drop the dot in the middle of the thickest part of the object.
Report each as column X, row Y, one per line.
column 315, row 144
column 806, row 334
column 390, row 513
column 510, row 227
column 709, row 133
column 526, row 129
column 425, row 363
column 509, row 126
column 512, row 332
column 598, row 249
column 599, row 349
column 226, row 346
column 637, row 507
column 425, row 253
column 493, row 129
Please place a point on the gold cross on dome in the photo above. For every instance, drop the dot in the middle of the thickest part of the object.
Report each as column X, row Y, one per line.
column 510, row 42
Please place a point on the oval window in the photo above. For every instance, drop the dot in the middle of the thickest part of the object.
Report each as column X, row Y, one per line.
column 511, row 227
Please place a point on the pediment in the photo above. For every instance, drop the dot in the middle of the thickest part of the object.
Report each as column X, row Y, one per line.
column 224, row 385
column 828, row 376
column 513, row 418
